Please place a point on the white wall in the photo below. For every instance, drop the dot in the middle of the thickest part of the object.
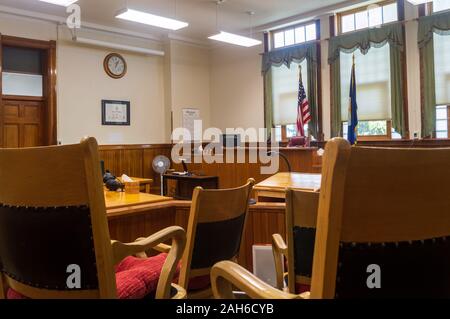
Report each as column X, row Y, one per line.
column 189, row 80
column 237, row 91
column 413, row 65
column 82, row 84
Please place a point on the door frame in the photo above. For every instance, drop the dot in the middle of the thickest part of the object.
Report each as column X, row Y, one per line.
column 49, row 85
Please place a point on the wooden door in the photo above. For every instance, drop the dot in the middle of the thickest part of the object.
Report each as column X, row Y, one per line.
column 22, row 123
column 28, row 120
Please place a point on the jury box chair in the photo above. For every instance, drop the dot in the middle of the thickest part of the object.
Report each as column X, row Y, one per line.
column 54, row 237
column 215, row 229
column 383, row 228
column 301, row 219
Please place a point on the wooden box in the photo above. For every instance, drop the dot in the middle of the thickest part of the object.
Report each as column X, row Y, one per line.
column 132, row 187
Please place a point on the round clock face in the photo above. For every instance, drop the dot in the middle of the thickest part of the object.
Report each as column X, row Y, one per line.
column 115, row 65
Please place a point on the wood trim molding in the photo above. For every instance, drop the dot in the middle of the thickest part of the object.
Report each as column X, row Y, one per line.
column 134, row 147
column 405, row 143
column 51, row 120
column 26, row 43
column 1, row 90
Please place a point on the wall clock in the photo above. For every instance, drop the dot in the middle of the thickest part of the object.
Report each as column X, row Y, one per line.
column 115, row 65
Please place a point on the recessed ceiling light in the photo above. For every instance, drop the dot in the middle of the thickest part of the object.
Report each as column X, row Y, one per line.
column 235, row 39
column 417, row 2
column 64, row 3
column 151, row 19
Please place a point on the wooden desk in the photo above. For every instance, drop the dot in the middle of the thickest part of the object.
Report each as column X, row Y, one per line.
column 275, row 187
column 121, row 202
column 187, row 183
column 147, row 182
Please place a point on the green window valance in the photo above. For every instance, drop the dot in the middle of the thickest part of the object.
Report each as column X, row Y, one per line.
column 436, row 23
column 428, row 26
column 364, row 40
column 288, row 55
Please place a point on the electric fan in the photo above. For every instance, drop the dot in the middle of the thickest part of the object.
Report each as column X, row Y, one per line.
column 160, row 165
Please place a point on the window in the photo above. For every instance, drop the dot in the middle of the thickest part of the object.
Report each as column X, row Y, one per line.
column 370, row 130
column 441, row 5
column 284, row 132
column 22, row 72
column 285, row 98
column 371, row 16
column 442, row 121
column 294, row 35
column 442, row 68
column 373, row 90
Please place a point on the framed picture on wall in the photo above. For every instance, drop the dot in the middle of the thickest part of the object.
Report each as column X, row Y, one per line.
column 115, row 112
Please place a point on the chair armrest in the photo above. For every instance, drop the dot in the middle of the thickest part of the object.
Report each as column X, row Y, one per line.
column 174, row 233
column 280, row 250
column 226, row 274
column 162, row 248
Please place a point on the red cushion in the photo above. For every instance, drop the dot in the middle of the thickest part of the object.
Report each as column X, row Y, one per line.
column 301, row 288
column 199, row 283
column 136, row 278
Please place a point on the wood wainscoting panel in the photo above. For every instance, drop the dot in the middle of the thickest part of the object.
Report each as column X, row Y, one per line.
column 134, row 160
column 128, row 228
column 264, row 220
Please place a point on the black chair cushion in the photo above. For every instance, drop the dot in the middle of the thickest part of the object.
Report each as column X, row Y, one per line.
column 217, row 241
column 304, row 240
column 407, row 270
column 38, row 244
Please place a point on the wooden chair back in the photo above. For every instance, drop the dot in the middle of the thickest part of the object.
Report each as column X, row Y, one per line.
column 215, row 229
column 383, row 213
column 53, row 220
column 301, row 219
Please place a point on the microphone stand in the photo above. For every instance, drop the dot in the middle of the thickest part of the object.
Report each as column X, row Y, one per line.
column 286, row 160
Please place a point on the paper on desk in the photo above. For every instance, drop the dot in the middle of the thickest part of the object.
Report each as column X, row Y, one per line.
column 126, row 179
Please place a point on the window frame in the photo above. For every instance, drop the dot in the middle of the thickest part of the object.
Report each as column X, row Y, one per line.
column 448, row 124
column 368, row 138
column 269, row 46
column 339, row 15
column 430, row 9
column 283, row 129
column 293, row 27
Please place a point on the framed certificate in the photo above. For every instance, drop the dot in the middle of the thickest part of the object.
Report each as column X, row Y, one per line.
column 115, row 112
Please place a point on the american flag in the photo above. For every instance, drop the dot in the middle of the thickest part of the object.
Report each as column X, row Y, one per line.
column 303, row 112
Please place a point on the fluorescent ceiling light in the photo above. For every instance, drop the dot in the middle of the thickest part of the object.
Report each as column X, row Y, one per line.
column 417, row 2
column 235, row 39
column 151, row 19
column 64, row 3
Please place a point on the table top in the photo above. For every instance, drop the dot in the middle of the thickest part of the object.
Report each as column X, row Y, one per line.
column 202, row 177
column 121, row 199
column 297, row 181
column 139, row 179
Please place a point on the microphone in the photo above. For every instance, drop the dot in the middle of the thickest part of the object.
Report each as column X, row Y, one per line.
column 271, row 153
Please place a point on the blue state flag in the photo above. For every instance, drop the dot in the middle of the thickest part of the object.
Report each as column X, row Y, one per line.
column 353, row 109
